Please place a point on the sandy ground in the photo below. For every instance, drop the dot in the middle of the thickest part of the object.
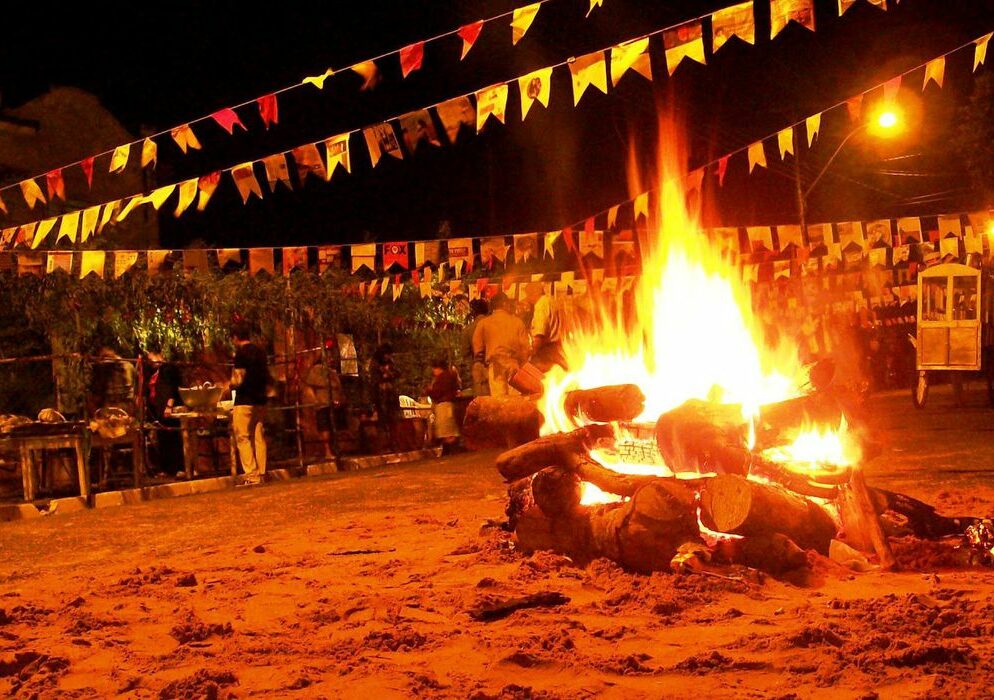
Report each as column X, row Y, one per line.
column 360, row 585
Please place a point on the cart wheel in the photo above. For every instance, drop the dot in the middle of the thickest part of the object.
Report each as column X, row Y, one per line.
column 919, row 390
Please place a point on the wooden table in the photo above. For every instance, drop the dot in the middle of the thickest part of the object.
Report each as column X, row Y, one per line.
column 189, row 423
column 27, row 445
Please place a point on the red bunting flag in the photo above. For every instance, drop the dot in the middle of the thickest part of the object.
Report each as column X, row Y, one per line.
column 411, row 58
column 469, row 34
column 269, row 110
column 56, row 186
column 395, row 254
column 87, row 165
column 722, row 169
column 207, row 184
column 228, row 119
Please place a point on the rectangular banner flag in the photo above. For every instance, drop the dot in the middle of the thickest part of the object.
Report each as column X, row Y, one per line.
column 525, row 247
column 427, row 252
column 156, row 261
column 878, row 233
column 363, row 255
column 461, row 251
column 588, row 70
column 726, row 238
column 59, row 261
column 909, row 229
column 632, row 55
column 491, row 101
column 736, row 20
column 229, row 256
column 329, row 257
column 294, row 258
column 380, row 140
column 534, row 87
column 684, row 41
column 244, row 177
column 790, row 235
column 456, row 114
column 493, row 249
column 337, row 151
column 261, row 260
column 784, row 11
column 395, row 254
column 418, row 128
column 591, row 243
column 92, row 263
column 124, row 261
column 950, row 226
column 760, row 238
column 851, row 234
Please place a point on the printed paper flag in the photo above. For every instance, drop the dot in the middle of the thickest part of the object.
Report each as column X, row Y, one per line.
column 909, row 229
column 950, row 226
column 59, row 261
column 461, row 252
column 277, row 171
column 591, row 243
column 395, row 254
column 812, row 124
column 29, row 233
column 491, row 101
column 781, row 269
column 269, row 110
column 261, row 260
column 980, row 52
column 119, row 158
column 588, row 70
column 891, row 88
column 632, row 55
column 309, row 162
column 785, row 140
column 612, row 216
column 32, row 193
column 226, row 256
column 878, row 233
column 68, row 227
column 790, row 235
column 493, row 248
column 363, row 255
column 337, row 149
column 92, row 263
column 469, row 34
column 185, row 138
column 901, row 254
column 318, row 80
column 641, row 207
column 784, row 11
column 56, row 186
column 456, row 113
column 854, row 105
column 195, row 260
column 87, row 165
column 550, row 243
column 90, row 217
column 107, row 214
column 417, row 128
column 534, row 86
column 187, row 193
column 760, row 238
column 521, row 20
column 207, row 184
column 935, row 70
column 160, row 195
column 124, row 261
column 684, row 41
column 722, row 169
column 593, row 4
column 294, row 259
column 329, row 257
column 736, row 20
column 150, row 153
column 851, row 233
column 228, row 119
column 244, row 177
column 369, row 73
column 525, row 247
column 757, row 156
column 129, row 206
column 380, row 140
column 726, row 238
column 949, row 247
column 156, row 261
column 411, row 58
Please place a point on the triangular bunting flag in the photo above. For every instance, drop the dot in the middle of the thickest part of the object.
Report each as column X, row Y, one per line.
column 722, row 169
column 56, row 185
column 41, row 232
column 534, row 87
column 309, row 162
column 395, row 254
column 785, row 140
column 491, row 101
column 269, row 110
column 119, row 158
column 185, row 138
column 812, row 124
column 294, row 259
column 92, row 263
column 935, row 70
column 337, row 149
column 980, row 52
column 612, row 216
column 244, row 177
column 318, row 80
column 891, row 88
column 549, row 249
column 469, row 34
column 684, row 41
column 87, row 165
column 521, row 20
column 369, row 73
column 588, row 70
column 736, row 20
column 277, row 171
column 854, row 105
column 228, row 119
column 160, row 195
column 156, row 261
column 32, row 193
column 207, row 185
column 226, row 256
column 150, row 153
column 187, row 193
column 784, row 11
column 411, row 58
column 90, row 217
column 380, row 140
column 632, row 55
column 107, row 214
column 68, row 227
column 124, row 261
column 757, row 156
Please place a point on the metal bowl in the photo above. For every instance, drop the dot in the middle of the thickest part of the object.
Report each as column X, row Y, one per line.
column 197, row 398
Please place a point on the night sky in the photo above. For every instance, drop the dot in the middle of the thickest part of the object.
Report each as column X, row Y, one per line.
column 167, row 63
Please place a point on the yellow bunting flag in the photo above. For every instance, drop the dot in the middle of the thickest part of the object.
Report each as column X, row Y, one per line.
column 244, row 177
column 369, row 73
column 846, row 4
column 736, row 20
column 549, row 248
column 32, row 193
column 785, row 139
column 935, row 70
column 760, row 238
column 90, row 216
column 337, row 149
column 790, row 236
column 185, row 138
column 534, row 87
column 641, row 206
column 160, row 195
column 757, row 156
column 309, row 162
column 150, row 153
column 593, row 4
column 277, row 171
column 784, row 11
column 980, row 52
column 588, row 70
column 92, row 263
column 363, row 255
column 521, row 20
column 107, row 214
column 632, row 55
column 156, row 261
column 684, row 41
column 59, row 261
column 129, row 206
column 318, row 80
column 187, row 193
column 812, row 124
column 124, row 261
column 68, row 227
column 41, row 232
column 207, row 185
column 119, row 158
column 427, row 252
column 491, row 101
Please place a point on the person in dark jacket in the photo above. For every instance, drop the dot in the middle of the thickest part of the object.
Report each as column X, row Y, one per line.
column 162, row 397
column 383, row 376
column 251, row 381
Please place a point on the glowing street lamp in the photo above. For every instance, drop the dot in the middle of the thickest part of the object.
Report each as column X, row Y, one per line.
column 887, row 119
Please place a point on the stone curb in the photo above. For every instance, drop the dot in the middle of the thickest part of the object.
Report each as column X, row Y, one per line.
column 107, row 499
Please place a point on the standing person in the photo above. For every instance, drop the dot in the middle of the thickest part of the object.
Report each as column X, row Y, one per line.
column 324, row 386
column 383, row 376
column 546, row 328
column 478, row 310
column 250, row 379
column 114, row 382
column 162, row 397
column 501, row 341
column 443, row 392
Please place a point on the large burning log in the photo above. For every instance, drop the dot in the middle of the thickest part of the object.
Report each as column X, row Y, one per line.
column 704, row 436
column 551, row 450
column 736, row 505
column 606, row 404
column 500, row 422
column 556, row 491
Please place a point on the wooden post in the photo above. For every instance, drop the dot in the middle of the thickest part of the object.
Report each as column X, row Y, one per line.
column 861, row 523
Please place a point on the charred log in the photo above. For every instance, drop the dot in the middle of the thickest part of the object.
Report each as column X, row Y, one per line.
column 519, row 500
column 703, row 436
column 861, row 523
column 606, row 404
column 920, row 518
column 501, row 422
column 556, row 491
column 552, row 450
column 775, row 554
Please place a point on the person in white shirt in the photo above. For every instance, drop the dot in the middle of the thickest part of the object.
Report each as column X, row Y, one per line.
column 546, row 328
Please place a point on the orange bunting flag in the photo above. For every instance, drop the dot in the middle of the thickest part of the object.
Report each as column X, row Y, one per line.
column 294, row 259
column 107, row 214
column 736, row 20
column 812, row 124
column 632, row 55
column 380, row 139
column 760, row 238
column 854, row 105
column 68, row 227
column 757, row 156
column 641, row 206
column 461, row 254
column 226, row 256
column 411, row 58
column 534, row 87
column 980, row 52
column 92, row 263
column 87, row 165
column 593, row 4
column 891, row 88
column 3, row 205
column 56, row 185
column 684, row 41
column 228, row 119
column 90, row 217
column 277, row 171
column 129, row 206
column 309, row 162
column 785, row 140
column 119, row 158
column 790, row 236
column 722, row 169
column 261, row 260
column 207, row 185
column 469, row 34
column 124, row 261
column 269, row 110
column 612, row 216
column 588, row 70
column 363, row 255
column 187, row 193
column 784, row 11
column 244, row 177
column 369, row 73
column 150, row 153
column 32, row 193
column 337, row 149
column 846, row 4
column 318, row 80
column 41, row 232
column 156, row 261
column 160, row 195
column 491, row 101
column 456, row 114
column 935, row 70
column 521, row 20
column 185, row 138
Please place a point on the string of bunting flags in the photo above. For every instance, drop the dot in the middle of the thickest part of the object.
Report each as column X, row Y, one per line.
column 408, row 132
